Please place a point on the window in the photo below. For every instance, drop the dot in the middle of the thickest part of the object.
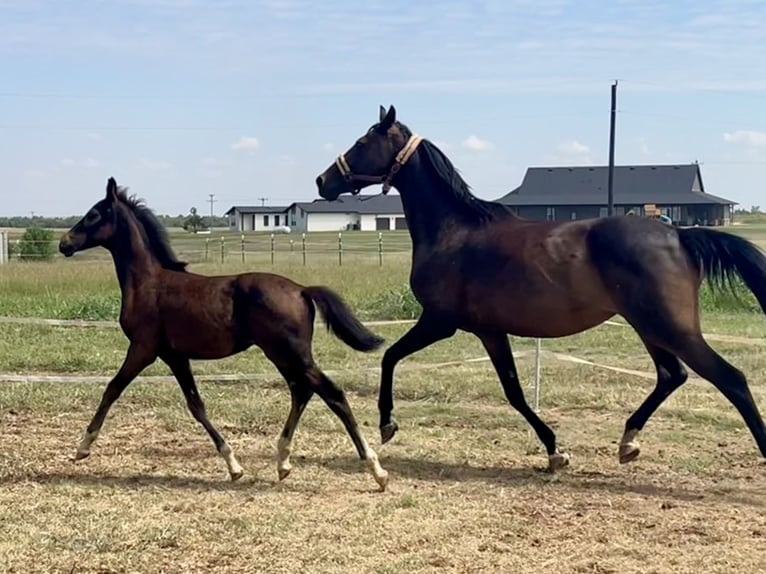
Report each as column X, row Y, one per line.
column 550, row 214
column 573, row 215
column 265, row 220
column 276, row 221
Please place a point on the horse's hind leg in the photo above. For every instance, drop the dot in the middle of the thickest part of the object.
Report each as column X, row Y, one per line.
column 671, row 374
column 336, row 400
column 300, row 395
column 182, row 372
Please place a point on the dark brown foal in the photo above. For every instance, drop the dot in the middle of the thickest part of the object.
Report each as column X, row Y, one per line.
column 177, row 316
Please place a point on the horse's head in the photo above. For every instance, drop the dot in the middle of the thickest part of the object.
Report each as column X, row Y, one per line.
column 376, row 157
column 96, row 228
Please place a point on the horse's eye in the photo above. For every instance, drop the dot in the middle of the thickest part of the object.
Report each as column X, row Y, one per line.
column 92, row 217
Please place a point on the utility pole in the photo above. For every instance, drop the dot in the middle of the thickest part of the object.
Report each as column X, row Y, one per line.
column 211, row 201
column 610, row 185
column 262, row 200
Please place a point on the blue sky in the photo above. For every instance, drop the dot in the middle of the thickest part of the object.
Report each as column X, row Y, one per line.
column 247, row 99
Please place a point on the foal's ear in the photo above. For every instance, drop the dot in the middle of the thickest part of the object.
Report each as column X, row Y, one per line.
column 382, row 114
column 111, row 189
column 388, row 120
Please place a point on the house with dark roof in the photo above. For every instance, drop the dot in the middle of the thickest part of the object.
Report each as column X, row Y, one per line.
column 256, row 217
column 568, row 193
column 348, row 212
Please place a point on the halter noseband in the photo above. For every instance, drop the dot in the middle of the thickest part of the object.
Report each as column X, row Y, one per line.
column 401, row 158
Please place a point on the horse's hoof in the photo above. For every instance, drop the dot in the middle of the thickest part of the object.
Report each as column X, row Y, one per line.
column 283, row 473
column 81, row 454
column 382, row 480
column 388, row 431
column 629, row 452
column 235, row 476
column 557, row 461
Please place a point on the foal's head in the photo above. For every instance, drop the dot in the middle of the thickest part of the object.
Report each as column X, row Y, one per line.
column 374, row 158
column 101, row 226
column 97, row 228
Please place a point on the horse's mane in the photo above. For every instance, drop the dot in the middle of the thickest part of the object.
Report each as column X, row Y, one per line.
column 155, row 234
column 451, row 184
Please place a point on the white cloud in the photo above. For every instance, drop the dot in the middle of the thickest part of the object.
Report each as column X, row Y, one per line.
column 573, row 148
column 67, row 162
column 475, row 143
column 748, row 138
column 246, row 144
column 90, row 162
column 154, row 165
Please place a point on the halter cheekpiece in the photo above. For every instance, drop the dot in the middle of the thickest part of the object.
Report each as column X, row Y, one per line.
column 401, row 158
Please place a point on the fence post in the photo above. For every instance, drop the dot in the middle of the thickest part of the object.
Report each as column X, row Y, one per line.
column 3, row 247
column 340, row 248
column 243, row 247
column 303, row 241
column 292, row 246
column 18, row 250
column 380, row 248
column 223, row 239
column 207, row 247
column 272, row 248
column 537, row 375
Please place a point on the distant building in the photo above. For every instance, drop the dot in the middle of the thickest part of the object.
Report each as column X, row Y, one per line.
column 256, row 218
column 348, row 212
column 568, row 193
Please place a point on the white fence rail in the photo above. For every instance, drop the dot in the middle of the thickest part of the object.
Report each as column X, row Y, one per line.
column 3, row 247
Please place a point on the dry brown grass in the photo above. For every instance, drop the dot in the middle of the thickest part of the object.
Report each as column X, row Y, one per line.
column 466, row 493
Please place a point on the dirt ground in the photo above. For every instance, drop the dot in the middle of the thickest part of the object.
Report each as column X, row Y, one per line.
column 466, row 495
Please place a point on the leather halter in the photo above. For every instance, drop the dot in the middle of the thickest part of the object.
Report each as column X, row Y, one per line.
column 401, row 158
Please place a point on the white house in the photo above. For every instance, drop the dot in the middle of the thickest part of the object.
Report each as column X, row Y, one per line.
column 256, row 218
column 348, row 212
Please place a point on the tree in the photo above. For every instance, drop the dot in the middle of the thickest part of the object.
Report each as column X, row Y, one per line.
column 194, row 221
column 37, row 244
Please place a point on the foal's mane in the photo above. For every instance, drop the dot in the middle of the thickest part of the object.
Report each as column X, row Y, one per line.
column 454, row 187
column 154, row 233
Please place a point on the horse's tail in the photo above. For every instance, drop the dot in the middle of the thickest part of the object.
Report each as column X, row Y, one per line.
column 341, row 320
column 722, row 256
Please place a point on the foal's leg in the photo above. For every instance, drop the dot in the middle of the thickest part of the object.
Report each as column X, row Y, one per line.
column 137, row 359
column 182, row 372
column 428, row 330
column 499, row 350
column 336, row 400
column 671, row 374
column 300, row 394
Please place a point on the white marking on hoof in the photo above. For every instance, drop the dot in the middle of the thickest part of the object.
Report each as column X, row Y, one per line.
column 283, row 457
column 557, row 461
column 373, row 464
column 629, row 447
column 235, row 470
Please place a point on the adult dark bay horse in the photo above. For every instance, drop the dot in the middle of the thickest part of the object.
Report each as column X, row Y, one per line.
column 479, row 268
column 170, row 313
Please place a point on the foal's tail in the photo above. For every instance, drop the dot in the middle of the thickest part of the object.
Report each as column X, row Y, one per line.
column 723, row 256
column 341, row 320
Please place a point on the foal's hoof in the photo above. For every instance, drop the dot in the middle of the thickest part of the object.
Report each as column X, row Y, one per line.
column 81, row 454
column 557, row 461
column 235, row 476
column 388, row 431
column 283, row 473
column 382, row 480
column 629, row 452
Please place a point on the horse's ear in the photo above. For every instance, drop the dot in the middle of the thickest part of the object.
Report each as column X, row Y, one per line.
column 111, row 189
column 382, row 114
column 388, row 120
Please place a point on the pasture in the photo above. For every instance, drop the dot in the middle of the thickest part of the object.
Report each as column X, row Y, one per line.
column 466, row 494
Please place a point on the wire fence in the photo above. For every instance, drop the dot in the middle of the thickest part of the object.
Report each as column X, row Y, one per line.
column 226, row 247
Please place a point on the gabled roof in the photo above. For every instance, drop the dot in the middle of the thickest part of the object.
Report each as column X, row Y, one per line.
column 257, row 209
column 362, row 204
column 633, row 185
